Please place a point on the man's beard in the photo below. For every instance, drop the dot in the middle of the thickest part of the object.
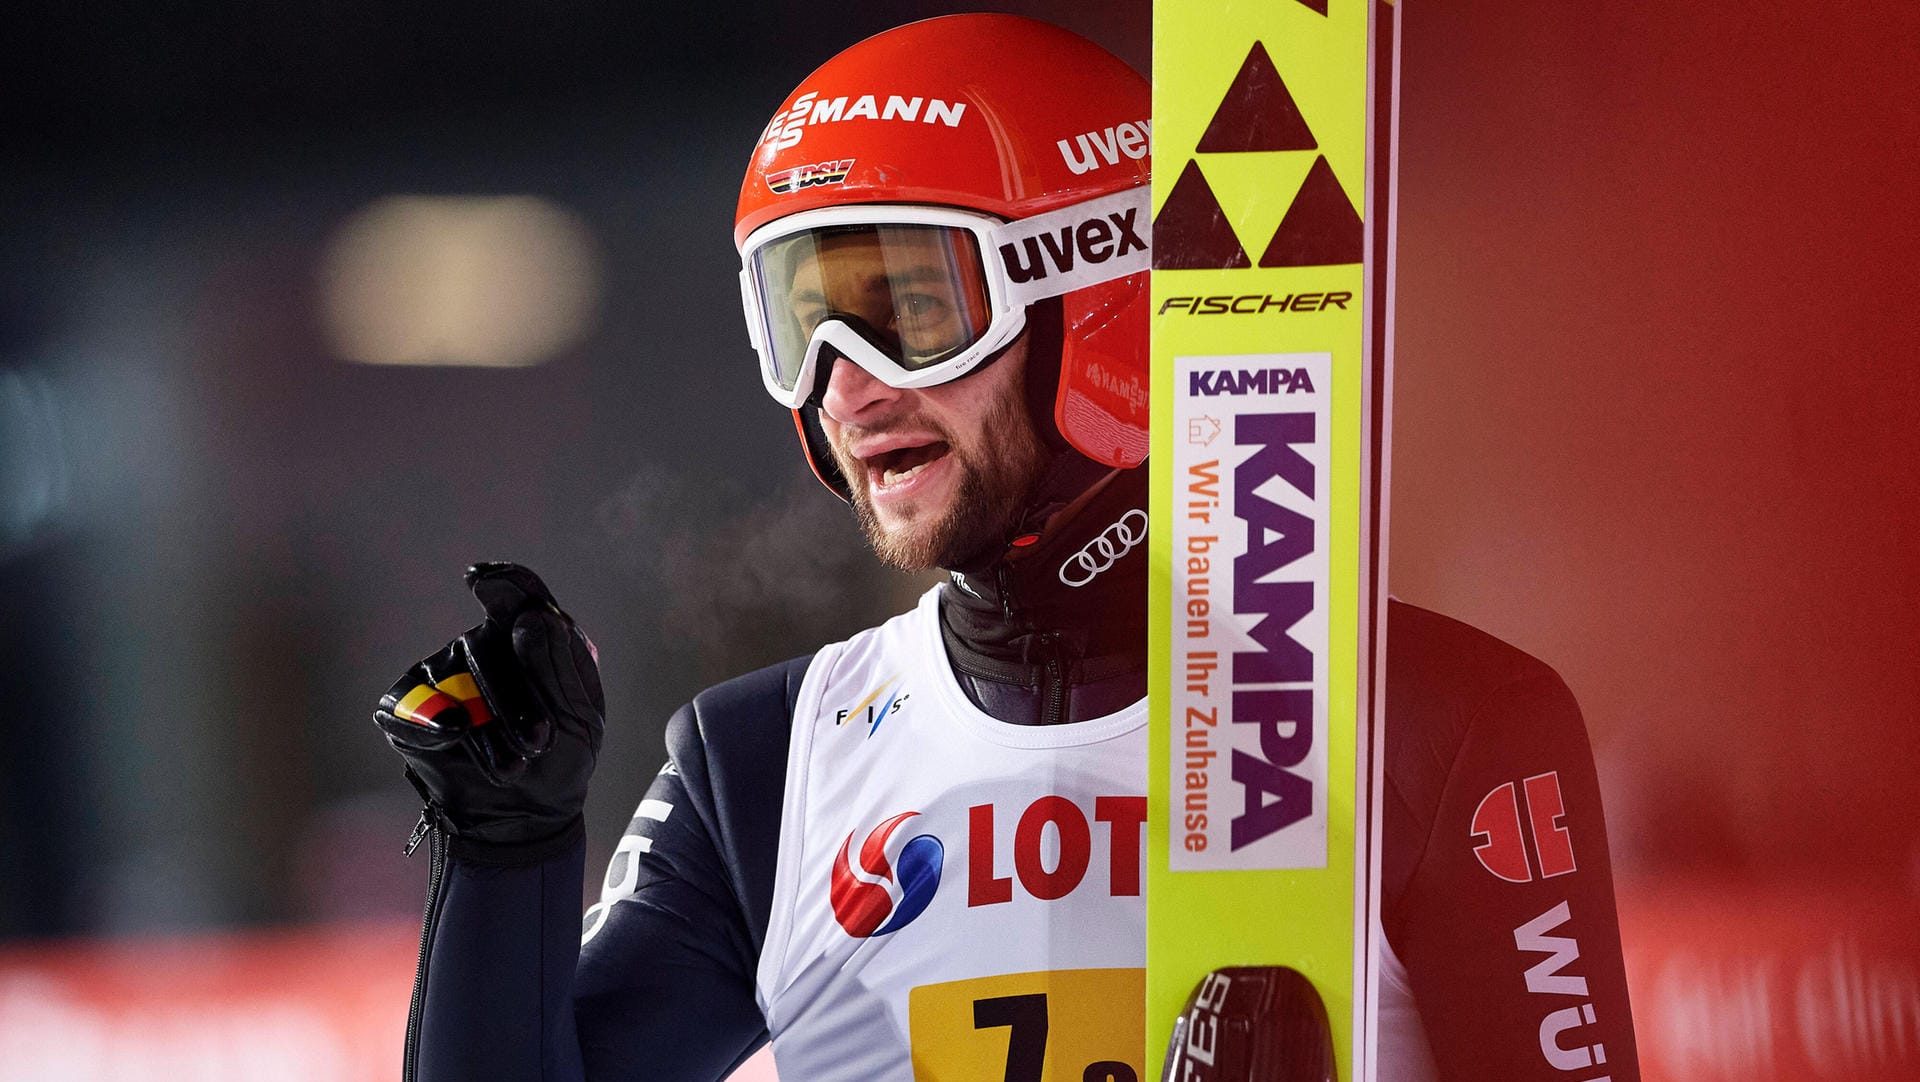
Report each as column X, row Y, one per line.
column 996, row 483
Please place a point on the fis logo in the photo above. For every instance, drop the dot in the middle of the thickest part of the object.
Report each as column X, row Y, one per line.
column 1107, row 145
column 1496, row 823
column 883, row 893
column 1216, row 381
column 790, row 124
column 866, row 713
column 809, row 176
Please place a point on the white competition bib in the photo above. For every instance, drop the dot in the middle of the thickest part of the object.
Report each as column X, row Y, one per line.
column 954, row 894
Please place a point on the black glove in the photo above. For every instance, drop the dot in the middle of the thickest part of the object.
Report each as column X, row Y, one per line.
column 500, row 730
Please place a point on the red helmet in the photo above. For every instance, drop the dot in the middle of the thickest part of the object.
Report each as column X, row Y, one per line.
column 1011, row 143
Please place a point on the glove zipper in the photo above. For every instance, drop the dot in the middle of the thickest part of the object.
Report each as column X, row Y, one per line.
column 432, row 822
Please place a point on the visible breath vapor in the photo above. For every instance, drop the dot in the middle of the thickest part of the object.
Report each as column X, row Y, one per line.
column 746, row 577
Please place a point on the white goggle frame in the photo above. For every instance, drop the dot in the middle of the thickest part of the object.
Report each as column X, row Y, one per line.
column 1085, row 244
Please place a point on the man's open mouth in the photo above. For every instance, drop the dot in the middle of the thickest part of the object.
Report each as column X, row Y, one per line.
column 889, row 468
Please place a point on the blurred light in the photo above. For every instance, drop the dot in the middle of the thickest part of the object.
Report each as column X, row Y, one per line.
column 34, row 471
column 496, row 281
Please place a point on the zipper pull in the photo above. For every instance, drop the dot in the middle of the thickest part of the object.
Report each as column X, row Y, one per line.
column 430, row 818
column 1003, row 578
column 1053, row 679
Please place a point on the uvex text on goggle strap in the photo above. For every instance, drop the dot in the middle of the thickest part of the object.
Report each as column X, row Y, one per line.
column 919, row 295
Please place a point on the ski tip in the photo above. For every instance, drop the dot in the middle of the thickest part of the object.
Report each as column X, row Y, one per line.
column 1251, row 1024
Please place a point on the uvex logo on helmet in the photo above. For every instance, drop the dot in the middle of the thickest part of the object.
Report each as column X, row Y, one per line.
column 1106, row 146
column 882, row 895
column 1105, row 550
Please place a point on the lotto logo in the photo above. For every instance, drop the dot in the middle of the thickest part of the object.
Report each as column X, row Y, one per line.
column 1072, row 852
column 884, row 894
column 1502, row 849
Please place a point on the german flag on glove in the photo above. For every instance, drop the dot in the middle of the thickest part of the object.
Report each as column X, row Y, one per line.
column 427, row 704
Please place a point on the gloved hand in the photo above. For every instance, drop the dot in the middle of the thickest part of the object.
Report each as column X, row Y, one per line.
column 500, row 730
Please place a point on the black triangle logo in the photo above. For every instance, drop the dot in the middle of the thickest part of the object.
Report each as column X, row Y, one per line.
column 1321, row 228
column 1191, row 231
column 1258, row 112
column 1318, row 6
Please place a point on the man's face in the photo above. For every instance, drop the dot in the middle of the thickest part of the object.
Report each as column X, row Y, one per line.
column 935, row 474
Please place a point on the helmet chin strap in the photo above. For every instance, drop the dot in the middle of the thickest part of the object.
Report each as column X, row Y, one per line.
column 1046, row 344
column 1068, row 476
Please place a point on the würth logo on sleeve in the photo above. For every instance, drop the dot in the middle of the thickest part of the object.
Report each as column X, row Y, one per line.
column 1569, row 1036
column 1501, row 844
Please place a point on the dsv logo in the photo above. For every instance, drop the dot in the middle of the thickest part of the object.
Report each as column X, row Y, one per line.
column 863, row 897
column 1105, row 550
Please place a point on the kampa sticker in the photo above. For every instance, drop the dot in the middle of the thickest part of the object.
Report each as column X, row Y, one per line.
column 1252, row 576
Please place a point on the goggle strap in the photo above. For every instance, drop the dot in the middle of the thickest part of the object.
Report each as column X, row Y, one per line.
column 1083, row 245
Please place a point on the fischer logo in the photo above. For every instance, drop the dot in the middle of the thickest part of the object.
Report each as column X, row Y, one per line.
column 1503, row 851
column 790, row 124
column 1070, row 856
column 1106, row 146
column 808, row 176
column 1104, row 551
column 1091, row 240
column 884, row 893
column 1207, row 382
column 1254, row 304
column 1545, row 978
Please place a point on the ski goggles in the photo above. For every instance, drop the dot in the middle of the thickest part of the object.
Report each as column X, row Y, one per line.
column 917, row 295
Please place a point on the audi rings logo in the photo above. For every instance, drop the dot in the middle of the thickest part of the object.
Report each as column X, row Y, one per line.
column 1104, row 551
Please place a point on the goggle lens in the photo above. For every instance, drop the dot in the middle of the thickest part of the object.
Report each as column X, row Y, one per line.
column 918, row 291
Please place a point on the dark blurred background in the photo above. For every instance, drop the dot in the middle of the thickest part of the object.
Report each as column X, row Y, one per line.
column 1655, row 409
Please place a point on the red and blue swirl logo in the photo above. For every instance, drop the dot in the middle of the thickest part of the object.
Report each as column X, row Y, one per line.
column 880, row 895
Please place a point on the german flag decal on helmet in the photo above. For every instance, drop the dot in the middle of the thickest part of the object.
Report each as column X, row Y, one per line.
column 808, row 176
